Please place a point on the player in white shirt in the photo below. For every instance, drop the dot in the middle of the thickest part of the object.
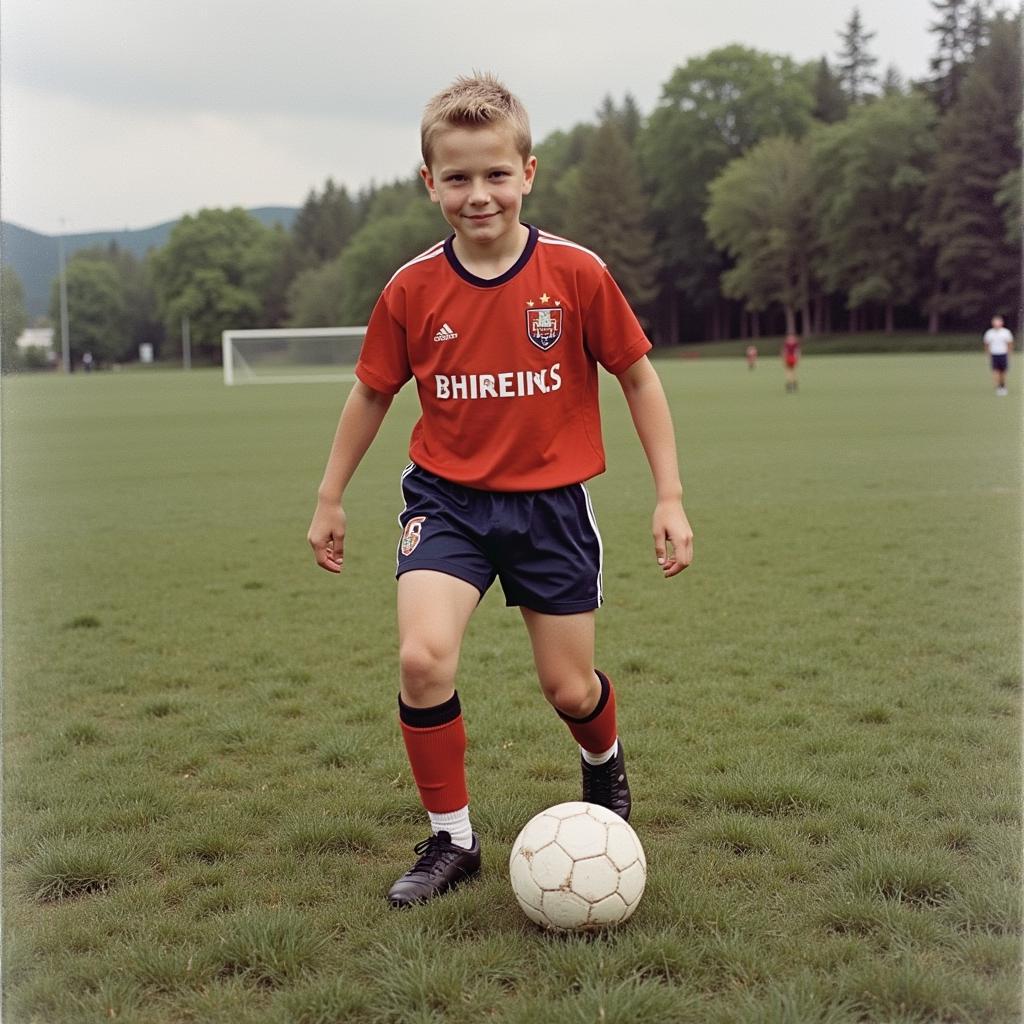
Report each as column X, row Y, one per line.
column 998, row 342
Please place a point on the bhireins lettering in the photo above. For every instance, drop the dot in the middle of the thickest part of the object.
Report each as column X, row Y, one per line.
column 511, row 384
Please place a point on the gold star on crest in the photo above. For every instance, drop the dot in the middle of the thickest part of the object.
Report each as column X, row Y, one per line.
column 531, row 303
column 545, row 297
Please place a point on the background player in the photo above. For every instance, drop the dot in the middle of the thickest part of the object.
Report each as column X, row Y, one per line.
column 503, row 327
column 998, row 342
column 790, row 358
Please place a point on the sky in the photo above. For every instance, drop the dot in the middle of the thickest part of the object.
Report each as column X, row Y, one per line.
column 127, row 113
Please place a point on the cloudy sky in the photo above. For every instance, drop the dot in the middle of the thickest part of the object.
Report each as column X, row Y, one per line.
column 126, row 113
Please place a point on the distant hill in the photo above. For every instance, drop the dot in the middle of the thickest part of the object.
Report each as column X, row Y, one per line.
column 34, row 256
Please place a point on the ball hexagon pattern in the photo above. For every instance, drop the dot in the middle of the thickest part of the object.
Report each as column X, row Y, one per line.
column 577, row 867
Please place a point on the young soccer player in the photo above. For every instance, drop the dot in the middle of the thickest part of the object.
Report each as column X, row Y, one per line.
column 503, row 327
column 790, row 358
column 998, row 342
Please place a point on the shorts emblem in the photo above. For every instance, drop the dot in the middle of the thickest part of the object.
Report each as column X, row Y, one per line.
column 411, row 534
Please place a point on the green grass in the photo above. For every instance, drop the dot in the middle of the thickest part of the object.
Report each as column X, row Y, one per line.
column 206, row 794
column 861, row 343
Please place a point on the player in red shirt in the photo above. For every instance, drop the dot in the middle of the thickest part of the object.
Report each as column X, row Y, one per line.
column 502, row 327
column 790, row 357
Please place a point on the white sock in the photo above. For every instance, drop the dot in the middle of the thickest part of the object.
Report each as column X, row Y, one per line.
column 456, row 824
column 603, row 757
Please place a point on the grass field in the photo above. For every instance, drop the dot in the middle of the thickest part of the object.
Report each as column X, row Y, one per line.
column 861, row 343
column 206, row 794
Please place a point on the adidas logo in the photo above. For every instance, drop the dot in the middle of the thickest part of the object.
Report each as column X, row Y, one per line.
column 446, row 333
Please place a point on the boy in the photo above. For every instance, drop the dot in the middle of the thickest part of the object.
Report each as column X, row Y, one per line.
column 502, row 326
column 790, row 357
column 998, row 341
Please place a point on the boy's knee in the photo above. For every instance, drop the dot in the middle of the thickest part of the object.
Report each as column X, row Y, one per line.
column 575, row 698
column 424, row 665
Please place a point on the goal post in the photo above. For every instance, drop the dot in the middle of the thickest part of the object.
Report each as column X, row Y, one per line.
column 291, row 355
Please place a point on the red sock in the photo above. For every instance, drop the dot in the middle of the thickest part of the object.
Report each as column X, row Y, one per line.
column 597, row 731
column 435, row 740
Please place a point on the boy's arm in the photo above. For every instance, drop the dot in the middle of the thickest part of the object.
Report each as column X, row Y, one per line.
column 673, row 538
column 360, row 420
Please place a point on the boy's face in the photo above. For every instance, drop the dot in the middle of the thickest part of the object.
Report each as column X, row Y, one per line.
column 997, row 322
column 479, row 179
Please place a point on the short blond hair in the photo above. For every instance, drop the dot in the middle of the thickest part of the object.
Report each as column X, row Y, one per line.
column 472, row 101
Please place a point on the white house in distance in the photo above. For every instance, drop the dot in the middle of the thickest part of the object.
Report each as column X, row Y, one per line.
column 36, row 337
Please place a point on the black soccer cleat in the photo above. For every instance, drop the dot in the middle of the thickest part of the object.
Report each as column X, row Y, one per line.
column 606, row 784
column 442, row 866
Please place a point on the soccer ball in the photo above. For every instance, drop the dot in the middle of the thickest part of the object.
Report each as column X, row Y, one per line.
column 577, row 867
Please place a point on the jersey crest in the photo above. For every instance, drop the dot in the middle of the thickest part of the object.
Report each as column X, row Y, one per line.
column 544, row 326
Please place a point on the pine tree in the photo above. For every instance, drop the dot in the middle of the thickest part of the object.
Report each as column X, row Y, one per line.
column 855, row 62
column 324, row 224
column 962, row 29
column 609, row 211
column 830, row 103
column 977, row 269
column 947, row 64
column 630, row 119
column 976, row 31
column 892, row 82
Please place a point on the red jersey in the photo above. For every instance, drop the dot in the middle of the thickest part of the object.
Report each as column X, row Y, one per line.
column 506, row 369
column 791, row 350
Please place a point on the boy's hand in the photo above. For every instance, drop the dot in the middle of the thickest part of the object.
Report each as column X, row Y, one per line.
column 327, row 536
column 673, row 538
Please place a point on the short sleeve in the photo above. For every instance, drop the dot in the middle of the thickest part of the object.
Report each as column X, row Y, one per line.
column 384, row 358
column 611, row 331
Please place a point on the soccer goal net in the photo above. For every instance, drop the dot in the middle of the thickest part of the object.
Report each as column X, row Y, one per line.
column 291, row 355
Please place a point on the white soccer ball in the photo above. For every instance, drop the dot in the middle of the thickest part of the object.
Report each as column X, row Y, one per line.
column 577, row 867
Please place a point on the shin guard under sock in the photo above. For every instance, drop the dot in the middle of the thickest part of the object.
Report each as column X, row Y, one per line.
column 598, row 731
column 435, row 740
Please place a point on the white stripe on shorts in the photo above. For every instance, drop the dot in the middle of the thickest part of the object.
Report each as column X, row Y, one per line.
column 600, row 545
column 401, row 488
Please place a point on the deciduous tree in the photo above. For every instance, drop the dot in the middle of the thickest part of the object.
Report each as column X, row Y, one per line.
column 96, row 307
column 870, row 174
column 381, row 246
column 13, row 319
column 316, row 297
column 558, row 171
column 711, row 110
column 214, row 270
column 760, row 213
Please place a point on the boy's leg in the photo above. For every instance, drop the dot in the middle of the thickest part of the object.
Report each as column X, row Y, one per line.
column 563, row 651
column 434, row 609
column 433, row 612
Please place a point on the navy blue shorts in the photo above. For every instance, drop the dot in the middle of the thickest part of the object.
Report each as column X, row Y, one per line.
column 999, row 362
column 543, row 546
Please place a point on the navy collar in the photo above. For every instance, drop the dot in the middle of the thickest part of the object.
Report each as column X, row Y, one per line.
column 493, row 282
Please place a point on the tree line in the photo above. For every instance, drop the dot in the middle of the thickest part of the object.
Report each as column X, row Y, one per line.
column 759, row 195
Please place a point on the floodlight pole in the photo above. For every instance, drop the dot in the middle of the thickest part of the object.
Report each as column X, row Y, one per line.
column 65, row 340
column 186, row 343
